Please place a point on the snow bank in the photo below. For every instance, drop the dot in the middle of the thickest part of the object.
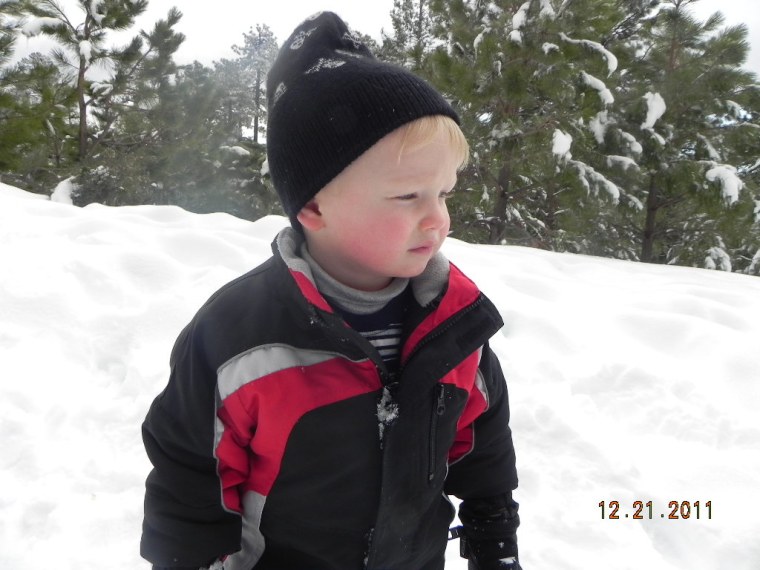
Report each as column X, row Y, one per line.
column 627, row 382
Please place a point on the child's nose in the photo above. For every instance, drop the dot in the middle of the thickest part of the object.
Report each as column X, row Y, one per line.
column 436, row 216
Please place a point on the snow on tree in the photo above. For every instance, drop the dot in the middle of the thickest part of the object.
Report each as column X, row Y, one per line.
column 695, row 146
column 522, row 74
column 655, row 109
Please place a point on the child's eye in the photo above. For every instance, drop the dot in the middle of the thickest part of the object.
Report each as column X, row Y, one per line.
column 405, row 197
column 447, row 195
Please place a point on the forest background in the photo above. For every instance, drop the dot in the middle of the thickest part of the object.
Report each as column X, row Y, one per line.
column 620, row 128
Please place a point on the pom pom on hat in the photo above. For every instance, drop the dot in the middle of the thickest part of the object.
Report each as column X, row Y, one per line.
column 329, row 101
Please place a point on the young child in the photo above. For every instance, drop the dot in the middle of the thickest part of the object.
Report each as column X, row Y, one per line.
column 322, row 407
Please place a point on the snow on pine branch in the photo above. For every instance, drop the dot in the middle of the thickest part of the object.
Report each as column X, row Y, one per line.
column 633, row 145
column 711, row 152
column 623, row 161
column 655, row 109
column 730, row 183
column 547, row 9
column 612, row 61
column 604, row 94
column 561, row 142
column 85, row 50
column 34, row 27
column 598, row 125
column 718, row 259
column 94, row 5
column 518, row 22
column 588, row 175
column 521, row 16
column 236, row 150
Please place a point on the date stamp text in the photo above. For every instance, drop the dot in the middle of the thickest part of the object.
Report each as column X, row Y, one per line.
column 641, row 510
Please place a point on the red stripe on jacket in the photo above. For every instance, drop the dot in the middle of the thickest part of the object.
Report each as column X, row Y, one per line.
column 259, row 417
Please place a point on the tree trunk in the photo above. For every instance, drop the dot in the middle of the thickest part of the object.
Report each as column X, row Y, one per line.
column 257, row 109
column 82, row 110
column 499, row 225
column 650, row 225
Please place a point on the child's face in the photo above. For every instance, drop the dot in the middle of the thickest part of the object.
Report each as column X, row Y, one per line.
column 385, row 215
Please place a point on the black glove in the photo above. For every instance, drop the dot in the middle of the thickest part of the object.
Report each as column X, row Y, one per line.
column 489, row 534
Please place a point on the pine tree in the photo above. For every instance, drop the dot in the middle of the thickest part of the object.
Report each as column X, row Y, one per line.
column 693, row 110
column 142, row 71
column 81, row 45
column 36, row 127
column 412, row 40
column 255, row 58
column 526, row 78
column 9, row 9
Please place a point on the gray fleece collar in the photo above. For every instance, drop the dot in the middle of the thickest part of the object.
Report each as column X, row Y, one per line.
column 425, row 287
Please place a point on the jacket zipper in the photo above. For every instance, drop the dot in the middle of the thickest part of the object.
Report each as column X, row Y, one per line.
column 438, row 411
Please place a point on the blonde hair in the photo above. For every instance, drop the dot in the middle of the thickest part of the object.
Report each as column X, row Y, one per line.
column 421, row 131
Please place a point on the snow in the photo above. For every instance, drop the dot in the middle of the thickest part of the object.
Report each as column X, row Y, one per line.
column 736, row 110
column 521, row 16
column 547, row 9
column 561, row 142
column 236, row 150
column 628, row 382
column 85, row 50
column 711, row 151
column 94, row 6
column 730, row 183
column 717, row 258
column 34, row 26
column 624, row 162
column 633, row 145
column 655, row 109
column 387, row 412
column 598, row 126
column 589, row 174
column 548, row 47
column 658, row 137
column 479, row 39
column 612, row 61
column 101, row 87
column 63, row 191
column 604, row 94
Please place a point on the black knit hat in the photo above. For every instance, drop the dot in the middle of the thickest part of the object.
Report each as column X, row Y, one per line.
column 329, row 101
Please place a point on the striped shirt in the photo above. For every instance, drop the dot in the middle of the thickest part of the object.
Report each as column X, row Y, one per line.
column 378, row 316
column 384, row 328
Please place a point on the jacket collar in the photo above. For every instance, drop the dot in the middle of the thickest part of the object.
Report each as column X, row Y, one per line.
column 426, row 287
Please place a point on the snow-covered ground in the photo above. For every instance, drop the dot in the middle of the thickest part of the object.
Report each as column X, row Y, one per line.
column 628, row 382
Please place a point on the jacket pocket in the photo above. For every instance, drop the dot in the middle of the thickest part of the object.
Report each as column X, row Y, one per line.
column 436, row 417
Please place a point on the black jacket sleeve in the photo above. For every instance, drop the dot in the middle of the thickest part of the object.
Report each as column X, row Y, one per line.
column 485, row 478
column 185, row 524
column 490, row 525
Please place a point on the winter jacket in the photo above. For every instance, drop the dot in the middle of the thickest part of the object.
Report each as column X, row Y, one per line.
column 282, row 441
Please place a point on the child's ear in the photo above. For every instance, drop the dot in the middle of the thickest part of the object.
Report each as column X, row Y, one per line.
column 310, row 217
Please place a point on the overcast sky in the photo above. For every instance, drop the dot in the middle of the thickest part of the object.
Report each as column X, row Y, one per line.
column 213, row 27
